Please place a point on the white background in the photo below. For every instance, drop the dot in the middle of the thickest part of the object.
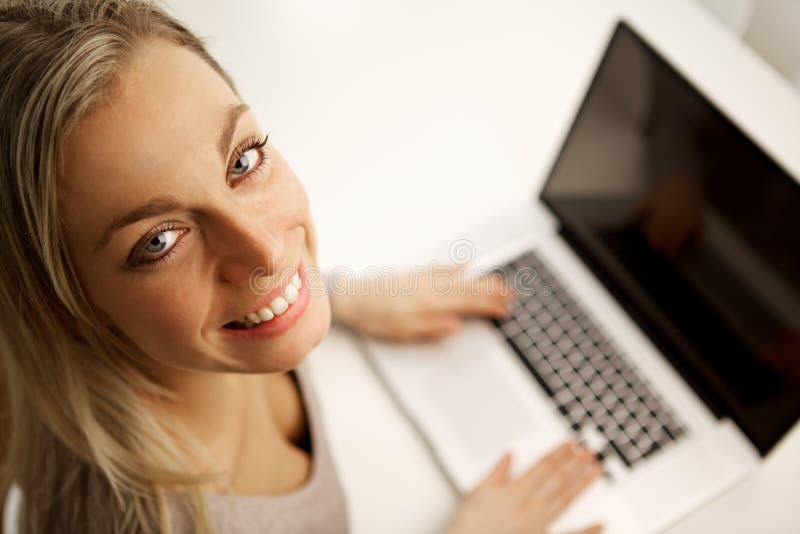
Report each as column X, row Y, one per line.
column 410, row 120
column 769, row 26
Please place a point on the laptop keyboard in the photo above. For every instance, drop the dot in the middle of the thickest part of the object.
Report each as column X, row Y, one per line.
column 599, row 393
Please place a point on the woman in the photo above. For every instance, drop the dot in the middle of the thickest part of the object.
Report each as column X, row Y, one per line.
column 158, row 293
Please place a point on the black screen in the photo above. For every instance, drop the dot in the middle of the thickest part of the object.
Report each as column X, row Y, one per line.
column 693, row 228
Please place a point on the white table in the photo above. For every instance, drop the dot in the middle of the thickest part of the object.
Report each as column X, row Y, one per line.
column 411, row 120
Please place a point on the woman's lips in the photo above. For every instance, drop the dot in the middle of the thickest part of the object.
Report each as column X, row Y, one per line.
column 279, row 323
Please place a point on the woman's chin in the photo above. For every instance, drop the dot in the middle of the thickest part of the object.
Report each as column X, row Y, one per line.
column 289, row 350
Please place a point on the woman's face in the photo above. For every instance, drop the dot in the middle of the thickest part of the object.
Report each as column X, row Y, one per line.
column 179, row 223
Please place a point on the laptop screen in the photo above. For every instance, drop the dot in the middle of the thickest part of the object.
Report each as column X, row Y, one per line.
column 693, row 228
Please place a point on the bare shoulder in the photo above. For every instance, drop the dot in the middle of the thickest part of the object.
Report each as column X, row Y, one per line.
column 286, row 403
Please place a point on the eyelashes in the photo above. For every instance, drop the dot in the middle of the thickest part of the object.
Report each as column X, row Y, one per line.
column 254, row 141
column 249, row 143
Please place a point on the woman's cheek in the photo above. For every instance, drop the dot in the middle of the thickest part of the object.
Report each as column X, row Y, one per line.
column 161, row 321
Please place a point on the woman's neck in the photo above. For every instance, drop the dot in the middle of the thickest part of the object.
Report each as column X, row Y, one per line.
column 221, row 411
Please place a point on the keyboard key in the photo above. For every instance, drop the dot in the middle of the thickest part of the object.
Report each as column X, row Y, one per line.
column 523, row 341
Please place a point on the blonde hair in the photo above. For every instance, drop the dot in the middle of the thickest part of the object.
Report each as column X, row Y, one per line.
column 82, row 441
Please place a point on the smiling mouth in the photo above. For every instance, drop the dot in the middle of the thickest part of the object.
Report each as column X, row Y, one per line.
column 278, row 306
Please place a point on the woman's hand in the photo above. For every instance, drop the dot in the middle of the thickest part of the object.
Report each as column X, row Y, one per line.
column 532, row 501
column 417, row 304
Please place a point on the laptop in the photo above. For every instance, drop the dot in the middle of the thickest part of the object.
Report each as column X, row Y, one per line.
column 658, row 310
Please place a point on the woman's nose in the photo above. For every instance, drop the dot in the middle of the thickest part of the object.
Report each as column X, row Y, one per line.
column 249, row 249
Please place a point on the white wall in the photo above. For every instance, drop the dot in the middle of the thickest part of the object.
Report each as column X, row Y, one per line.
column 771, row 27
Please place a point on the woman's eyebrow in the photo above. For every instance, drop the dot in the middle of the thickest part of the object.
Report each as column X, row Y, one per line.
column 226, row 135
column 159, row 205
column 151, row 208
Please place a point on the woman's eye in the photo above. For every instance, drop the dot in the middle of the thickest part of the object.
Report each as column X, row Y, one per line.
column 246, row 163
column 164, row 242
column 160, row 242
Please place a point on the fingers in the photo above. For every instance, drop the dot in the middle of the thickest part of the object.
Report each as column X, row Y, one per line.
column 478, row 305
column 499, row 474
column 558, row 478
column 487, row 295
column 544, row 468
column 574, row 481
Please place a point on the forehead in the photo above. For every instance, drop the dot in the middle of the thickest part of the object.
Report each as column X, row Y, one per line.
column 166, row 109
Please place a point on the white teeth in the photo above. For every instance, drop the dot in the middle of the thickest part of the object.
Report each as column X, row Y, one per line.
column 290, row 293
column 278, row 305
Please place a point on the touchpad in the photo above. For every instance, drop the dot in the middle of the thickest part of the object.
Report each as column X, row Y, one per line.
column 475, row 397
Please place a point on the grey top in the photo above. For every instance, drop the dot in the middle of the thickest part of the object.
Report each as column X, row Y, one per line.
column 318, row 506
